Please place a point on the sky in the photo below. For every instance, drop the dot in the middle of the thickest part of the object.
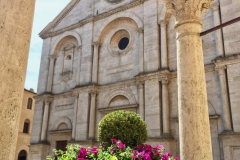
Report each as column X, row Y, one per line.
column 45, row 12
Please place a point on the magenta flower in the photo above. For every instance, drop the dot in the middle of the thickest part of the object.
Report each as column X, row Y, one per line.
column 159, row 147
column 121, row 145
column 176, row 158
column 83, row 152
column 94, row 150
column 114, row 140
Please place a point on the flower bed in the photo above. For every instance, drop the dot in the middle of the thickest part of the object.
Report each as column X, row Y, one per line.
column 116, row 151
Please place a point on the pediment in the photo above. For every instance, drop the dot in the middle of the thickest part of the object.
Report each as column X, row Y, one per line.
column 56, row 24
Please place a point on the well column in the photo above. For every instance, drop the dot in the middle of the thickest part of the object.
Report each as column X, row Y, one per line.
column 194, row 128
column 16, row 19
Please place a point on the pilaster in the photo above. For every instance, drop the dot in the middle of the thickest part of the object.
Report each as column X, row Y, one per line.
column 164, row 53
column 96, row 46
column 140, row 85
column 141, row 50
column 92, row 118
column 79, row 65
column 52, row 59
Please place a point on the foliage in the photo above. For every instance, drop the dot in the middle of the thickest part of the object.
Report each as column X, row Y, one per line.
column 116, row 151
column 70, row 154
column 124, row 125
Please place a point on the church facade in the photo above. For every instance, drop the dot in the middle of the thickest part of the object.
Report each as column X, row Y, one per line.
column 108, row 55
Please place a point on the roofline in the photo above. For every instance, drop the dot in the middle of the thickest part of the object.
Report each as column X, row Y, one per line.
column 29, row 91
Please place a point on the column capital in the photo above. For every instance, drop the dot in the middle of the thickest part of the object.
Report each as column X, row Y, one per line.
column 76, row 95
column 215, row 6
column 164, row 79
column 79, row 48
column 48, row 99
column 93, row 93
column 163, row 23
column 140, row 30
column 140, row 84
column 96, row 44
column 53, row 56
column 221, row 69
column 187, row 10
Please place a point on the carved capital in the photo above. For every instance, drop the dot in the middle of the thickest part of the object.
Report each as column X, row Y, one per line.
column 215, row 6
column 93, row 93
column 140, row 84
column 76, row 95
column 140, row 30
column 187, row 10
column 162, row 23
column 164, row 79
column 96, row 44
column 79, row 48
column 47, row 99
column 221, row 69
column 52, row 57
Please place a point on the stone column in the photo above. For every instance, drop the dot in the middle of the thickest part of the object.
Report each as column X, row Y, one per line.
column 141, row 100
column 164, row 54
column 75, row 116
column 47, row 102
column 141, row 50
column 50, row 73
column 225, row 102
column 95, row 63
column 194, row 127
column 92, row 117
column 218, row 33
column 16, row 19
column 165, row 106
column 79, row 65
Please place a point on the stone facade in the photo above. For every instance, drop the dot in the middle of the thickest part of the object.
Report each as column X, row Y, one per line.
column 25, row 125
column 84, row 75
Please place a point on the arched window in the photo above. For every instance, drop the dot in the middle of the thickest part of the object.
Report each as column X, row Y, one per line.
column 29, row 104
column 22, row 155
column 26, row 126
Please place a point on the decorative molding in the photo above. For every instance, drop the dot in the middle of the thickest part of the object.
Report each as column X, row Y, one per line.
column 224, row 61
column 66, row 76
column 46, row 34
column 215, row 6
column 60, row 120
column 135, row 106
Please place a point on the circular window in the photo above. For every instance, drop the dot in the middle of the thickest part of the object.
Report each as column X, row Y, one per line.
column 123, row 43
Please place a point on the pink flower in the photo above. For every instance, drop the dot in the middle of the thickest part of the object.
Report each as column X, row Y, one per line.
column 94, row 150
column 83, row 152
column 176, row 158
column 121, row 145
column 113, row 140
column 159, row 147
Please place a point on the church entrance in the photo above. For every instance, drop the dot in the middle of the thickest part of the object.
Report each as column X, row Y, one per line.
column 22, row 155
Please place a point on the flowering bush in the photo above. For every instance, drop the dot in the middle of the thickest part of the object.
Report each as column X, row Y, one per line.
column 117, row 151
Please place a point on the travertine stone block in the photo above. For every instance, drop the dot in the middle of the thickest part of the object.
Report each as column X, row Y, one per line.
column 15, row 29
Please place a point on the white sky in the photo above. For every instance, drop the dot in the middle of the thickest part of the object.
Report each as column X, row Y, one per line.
column 45, row 12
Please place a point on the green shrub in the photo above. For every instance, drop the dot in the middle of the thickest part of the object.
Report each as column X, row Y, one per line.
column 124, row 125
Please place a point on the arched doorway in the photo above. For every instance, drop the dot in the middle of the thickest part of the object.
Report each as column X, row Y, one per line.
column 22, row 155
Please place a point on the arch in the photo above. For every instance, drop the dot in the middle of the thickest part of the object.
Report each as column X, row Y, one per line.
column 62, row 36
column 61, row 120
column 126, row 93
column 29, row 103
column 130, row 15
column 22, row 155
column 211, row 109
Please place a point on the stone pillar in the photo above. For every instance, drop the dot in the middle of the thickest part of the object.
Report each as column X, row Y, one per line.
column 47, row 102
column 50, row 73
column 194, row 127
column 141, row 100
column 226, row 115
column 92, row 117
column 218, row 33
column 141, row 50
column 79, row 65
column 95, row 63
column 164, row 54
column 75, row 116
column 165, row 106
column 16, row 19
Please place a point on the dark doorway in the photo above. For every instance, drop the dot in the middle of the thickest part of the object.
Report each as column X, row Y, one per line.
column 22, row 155
column 61, row 145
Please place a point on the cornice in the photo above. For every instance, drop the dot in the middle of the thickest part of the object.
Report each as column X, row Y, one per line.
column 223, row 61
column 45, row 35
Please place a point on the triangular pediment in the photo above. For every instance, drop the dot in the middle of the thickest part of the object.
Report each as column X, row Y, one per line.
column 66, row 12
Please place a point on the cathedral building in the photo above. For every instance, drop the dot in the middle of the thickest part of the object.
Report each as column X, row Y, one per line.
column 100, row 56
